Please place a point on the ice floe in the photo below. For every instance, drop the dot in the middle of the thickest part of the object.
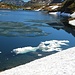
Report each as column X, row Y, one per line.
column 24, row 50
column 47, row 46
column 0, row 52
column 61, row 63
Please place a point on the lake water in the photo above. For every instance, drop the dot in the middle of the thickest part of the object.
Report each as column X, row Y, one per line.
column 29, row 28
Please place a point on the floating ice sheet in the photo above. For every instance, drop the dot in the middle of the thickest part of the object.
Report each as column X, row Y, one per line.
column 47, row 46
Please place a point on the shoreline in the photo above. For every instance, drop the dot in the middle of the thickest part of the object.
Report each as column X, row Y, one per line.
column 60, row 63
column 70, row 21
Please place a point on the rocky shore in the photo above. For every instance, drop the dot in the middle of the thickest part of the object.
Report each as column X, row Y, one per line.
column 65, row 9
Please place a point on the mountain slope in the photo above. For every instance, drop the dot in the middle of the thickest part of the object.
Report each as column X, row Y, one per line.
column 14, row 2
column 68, row 6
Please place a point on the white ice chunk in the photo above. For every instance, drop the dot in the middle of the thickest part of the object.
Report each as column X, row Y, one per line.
column 39, row 54
column 47, row 46
column 0, row 52
column 24, row 50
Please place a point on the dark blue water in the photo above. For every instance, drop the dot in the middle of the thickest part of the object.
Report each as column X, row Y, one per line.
column 29, row 28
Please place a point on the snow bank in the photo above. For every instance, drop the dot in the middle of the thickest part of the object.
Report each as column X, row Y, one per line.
column 61, row 63
column 53, row 45
column 72, row 22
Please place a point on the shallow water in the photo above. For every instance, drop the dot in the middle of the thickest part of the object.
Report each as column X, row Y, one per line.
column 29, row 28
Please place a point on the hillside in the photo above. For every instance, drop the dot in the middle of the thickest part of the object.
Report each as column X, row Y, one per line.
column 14, row 2
column 68, row 6
column 8, row 6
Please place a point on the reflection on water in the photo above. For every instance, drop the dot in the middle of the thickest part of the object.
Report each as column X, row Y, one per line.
column 66, row 27
column 19, row 29
column 30, row 28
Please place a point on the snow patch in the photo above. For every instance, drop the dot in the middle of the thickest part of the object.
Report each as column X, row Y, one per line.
column 72, row 22
column 73, row 15
column 46, row 46
column 54, row 7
